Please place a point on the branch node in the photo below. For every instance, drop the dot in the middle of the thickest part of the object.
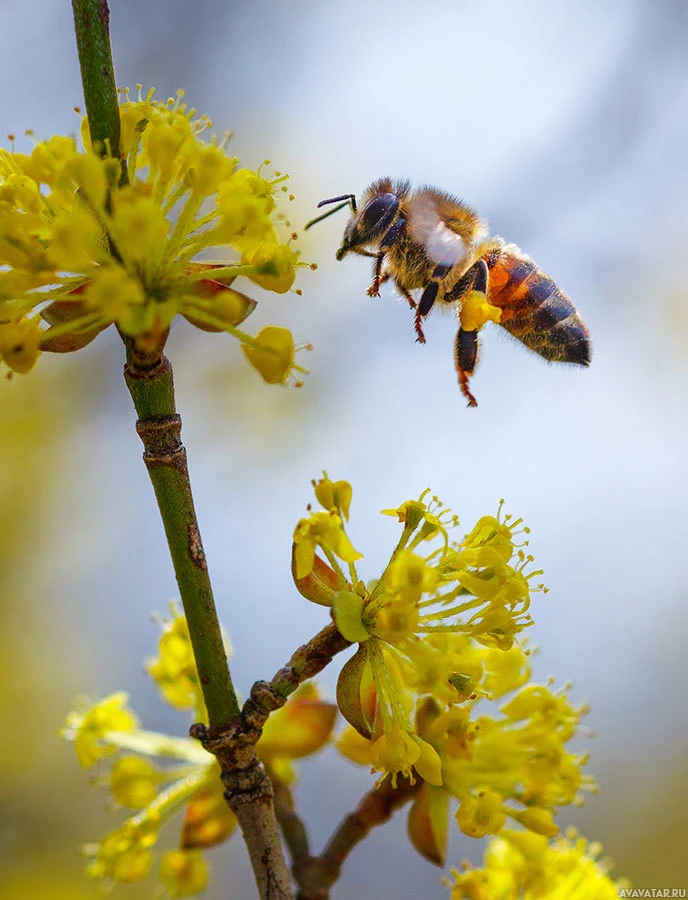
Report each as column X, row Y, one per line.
column 162, row 439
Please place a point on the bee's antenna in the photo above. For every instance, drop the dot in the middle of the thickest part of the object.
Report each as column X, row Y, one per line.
column 349, row 200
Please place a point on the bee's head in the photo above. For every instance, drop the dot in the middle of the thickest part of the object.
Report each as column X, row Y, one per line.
column 370, row 223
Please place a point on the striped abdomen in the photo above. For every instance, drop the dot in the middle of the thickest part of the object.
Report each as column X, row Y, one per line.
column 534, row 309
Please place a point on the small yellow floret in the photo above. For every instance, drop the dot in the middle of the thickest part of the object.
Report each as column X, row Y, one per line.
column 274, row 357
column 139, row 230
column 20, row 344
column 395, row 752
column 184, row 873
column 118, row 297
column 321, row 530
column 275, row 266
column 174, row 669
column 124, row 854
column 89, row 726
column 481, row 813
column 334, row 495
column 133, row 782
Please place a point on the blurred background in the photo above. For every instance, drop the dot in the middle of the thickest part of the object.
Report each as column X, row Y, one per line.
column 563, row 123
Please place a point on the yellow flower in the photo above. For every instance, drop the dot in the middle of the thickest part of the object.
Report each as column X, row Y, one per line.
column 526, row 866
column 124, row 854
column 539, row 821
column 133, row 782
column 71, row 227
column 20, row 344
column 113, row 292
column 174, row 669
column 245, row 204
column 481, row 813
column 275, row 266
column 272, row 354
column 89, row 726
column 183, row 873
column 325, row 530
column 333, row 495
column 395, row 752
column 438, row 636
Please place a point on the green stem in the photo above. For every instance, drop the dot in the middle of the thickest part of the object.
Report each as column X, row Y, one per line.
column 159, row 427
column 91, row 24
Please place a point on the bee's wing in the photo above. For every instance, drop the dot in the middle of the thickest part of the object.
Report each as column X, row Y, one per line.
column 534, row 309
column 442, row 245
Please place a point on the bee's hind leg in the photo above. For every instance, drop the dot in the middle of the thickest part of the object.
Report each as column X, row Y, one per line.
column 465, row 357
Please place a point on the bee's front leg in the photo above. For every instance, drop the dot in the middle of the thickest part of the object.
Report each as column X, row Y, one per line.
column 391, row 238
column 378, row 277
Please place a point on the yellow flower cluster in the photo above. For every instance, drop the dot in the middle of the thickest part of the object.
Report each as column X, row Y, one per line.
column 438, row 635
column 525, row 866
column 190, row 781
column 87, row 240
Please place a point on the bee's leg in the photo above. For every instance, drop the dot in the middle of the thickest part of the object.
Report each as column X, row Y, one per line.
column 391, row 238
column 465, row 357
column 428, row 298
column 381, row 280
column 404, row 293
column 378, row 279
column 482, row 273
column 420, row 337
column 466, row 348
column 475, row 279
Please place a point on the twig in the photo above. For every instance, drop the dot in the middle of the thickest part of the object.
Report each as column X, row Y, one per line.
column 315, row 875
column 159, row 427
column 376, row 808
column 309, row 871
column 249, row 791
column 91, row 24
column 292, row 827
column 307, row 661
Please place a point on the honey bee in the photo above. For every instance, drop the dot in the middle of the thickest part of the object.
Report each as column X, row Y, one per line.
column 427, row 240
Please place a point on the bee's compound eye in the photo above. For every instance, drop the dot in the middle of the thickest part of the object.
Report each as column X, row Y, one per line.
column 378, row 213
